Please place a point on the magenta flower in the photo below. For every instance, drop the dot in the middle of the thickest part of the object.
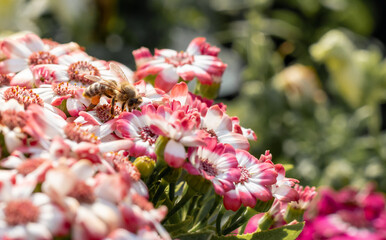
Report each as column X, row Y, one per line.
column 136, row 126
column 254, row 183
column 217, row 163
column 199, row 61
column 347, row 215
column 181, row 126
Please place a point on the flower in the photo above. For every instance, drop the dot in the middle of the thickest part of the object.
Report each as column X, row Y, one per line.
column 26, row 215
column 347, row 214
column 254, row 183
column 29, row 50
column 199, row 61
column 136, row 126
column 217, row 163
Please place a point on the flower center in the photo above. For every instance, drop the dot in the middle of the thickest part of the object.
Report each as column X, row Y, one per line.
column 12, row 119
column 82, row 192
column 78, row 70
column 5, row 79
column 103, row 112
column 29, row 166
column 208, row 167
column 19, row 212
column 42, row 57
column 75, row 133
column 180, row 59
column 64, row 88
column 211, row 132
column 142, row 202
column 245, row 175
column 147, row 135
column 23, row 96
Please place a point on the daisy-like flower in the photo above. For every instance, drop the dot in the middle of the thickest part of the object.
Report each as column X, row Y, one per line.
column 282, row 189
column 13, row 119
column 181, row 126
column 306, row 194
column 219, row 126
column 169, row 65
column 73, row 69
column 254, row 183
column 136, row 126
column 139, row 214
column 56, row 93
column 24, row 215
column 29, row 50
column 217, row 163
column 94, row 212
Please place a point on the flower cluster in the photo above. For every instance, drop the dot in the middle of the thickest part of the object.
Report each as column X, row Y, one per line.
column 347, row 214
column 77, row 163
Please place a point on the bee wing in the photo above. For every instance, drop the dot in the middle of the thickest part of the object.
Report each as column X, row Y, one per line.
column 93, row 78
column 118, row 70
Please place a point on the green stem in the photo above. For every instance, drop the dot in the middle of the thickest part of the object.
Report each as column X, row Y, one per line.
column 192, row 205
column 188, row 195
column 159, row 192
column 243, row 219
column 218, row 220
column 172, row 188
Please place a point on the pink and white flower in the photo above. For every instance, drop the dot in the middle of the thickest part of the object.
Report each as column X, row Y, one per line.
column 170, row 66
column 56, row 93
column 29, row 50
column 217, row 163
column 136, row 126
column 181, row 126
column 254, row 183
column 27, row 215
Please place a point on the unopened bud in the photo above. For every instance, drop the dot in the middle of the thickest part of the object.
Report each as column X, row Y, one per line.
column 145, row 165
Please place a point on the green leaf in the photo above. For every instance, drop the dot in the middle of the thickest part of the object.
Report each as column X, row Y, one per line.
column 181, row 227
column 289, row 232
column 196, row 236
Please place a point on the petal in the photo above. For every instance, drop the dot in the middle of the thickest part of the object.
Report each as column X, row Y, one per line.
column 24, row 78
column 15, row 49
column 114, row 146
column 232, row 200
column 74, row 107
column 13, row 65
column 166, row 79
column 179, row 92
column 174, row 154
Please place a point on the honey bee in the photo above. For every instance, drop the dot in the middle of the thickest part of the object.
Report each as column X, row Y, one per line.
column 123, row 92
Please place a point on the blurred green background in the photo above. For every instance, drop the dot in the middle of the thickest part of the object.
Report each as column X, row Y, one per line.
column 309, row 77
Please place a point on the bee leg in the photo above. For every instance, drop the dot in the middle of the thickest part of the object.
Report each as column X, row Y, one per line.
column 123, row 106
column 112, row 107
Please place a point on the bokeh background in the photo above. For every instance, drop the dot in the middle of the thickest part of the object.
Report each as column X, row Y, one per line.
column 308, row 76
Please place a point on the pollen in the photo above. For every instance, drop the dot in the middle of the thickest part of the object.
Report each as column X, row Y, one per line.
column 42, row 57
column 12, row 119
column 208, row 167
column 29, row 165
column 147, row 135
column 19, row 212
column 103, row 112
column 180, row 59
column 245, row 175
column 75, row 133
column 64, row 88
column 77, row 72
column 23, row 96
column 211, row 133
column 82, row 192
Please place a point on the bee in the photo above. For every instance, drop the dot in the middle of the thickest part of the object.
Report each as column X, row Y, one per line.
column 123, row 92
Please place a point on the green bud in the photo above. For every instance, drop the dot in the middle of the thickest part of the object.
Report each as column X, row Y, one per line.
column 145, row 165
column 209, row 91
